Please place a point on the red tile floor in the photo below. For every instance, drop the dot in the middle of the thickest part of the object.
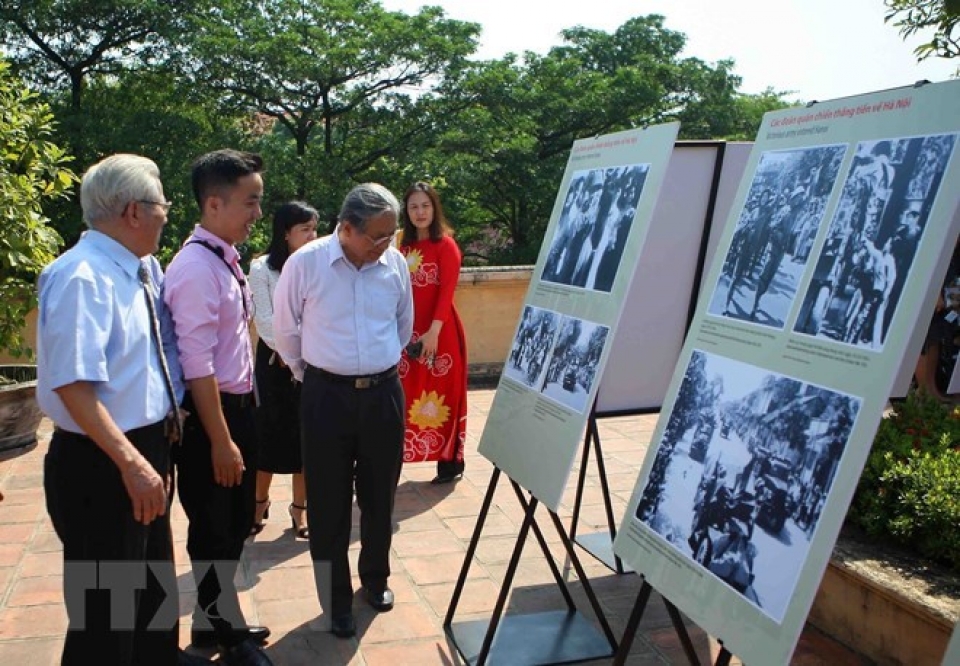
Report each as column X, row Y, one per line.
column 435, row 524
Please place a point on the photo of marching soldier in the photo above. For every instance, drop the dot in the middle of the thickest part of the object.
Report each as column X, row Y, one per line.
column 742, row 473
column 573, row 363
column 873, row 237
column 527, row 360
column 596, row 218
column 774, row 234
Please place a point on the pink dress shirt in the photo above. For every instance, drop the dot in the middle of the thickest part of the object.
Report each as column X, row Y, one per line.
column 207, row 300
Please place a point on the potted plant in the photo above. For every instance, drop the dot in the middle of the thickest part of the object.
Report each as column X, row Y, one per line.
column 32, row 171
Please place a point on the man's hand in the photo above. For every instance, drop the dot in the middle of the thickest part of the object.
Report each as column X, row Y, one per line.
column 224, row 453
column 143, row 484
column 228, row 464
column 147, row 491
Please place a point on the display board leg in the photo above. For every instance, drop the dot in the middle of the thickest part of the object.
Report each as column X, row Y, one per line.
column 538, row 533
column 723, row 658
column 552, row 637
column 472, row 548
column 598, row 544
column 507, row 580
column 581, row 574
column 682, row 632
column 633, row 624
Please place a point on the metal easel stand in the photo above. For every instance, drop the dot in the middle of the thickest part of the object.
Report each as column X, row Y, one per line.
column 723, row 657
column 598, row 544
column 553, row 637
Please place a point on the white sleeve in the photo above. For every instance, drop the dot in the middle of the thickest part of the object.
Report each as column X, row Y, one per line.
column 287, row 314
column 262, row 300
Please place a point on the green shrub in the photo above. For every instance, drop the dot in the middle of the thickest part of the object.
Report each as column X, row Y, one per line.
column 32, row 171
column 909, row 492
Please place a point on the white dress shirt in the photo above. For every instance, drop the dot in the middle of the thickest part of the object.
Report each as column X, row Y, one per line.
column 94, row 326
column 263, row 283
column 329, row 314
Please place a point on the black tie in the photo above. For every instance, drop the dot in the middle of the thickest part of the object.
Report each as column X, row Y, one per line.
column 158, row 345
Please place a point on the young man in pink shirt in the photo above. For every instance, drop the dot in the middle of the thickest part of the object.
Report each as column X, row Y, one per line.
column 210, row 303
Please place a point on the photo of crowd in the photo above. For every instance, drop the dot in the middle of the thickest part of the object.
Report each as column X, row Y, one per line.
column 573, row 362
column 775, row 233
column 598, row 212
column 527, row 360
column 742, row 472
column 878, row 224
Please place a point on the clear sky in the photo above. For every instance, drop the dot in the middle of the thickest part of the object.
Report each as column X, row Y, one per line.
column 816, row 49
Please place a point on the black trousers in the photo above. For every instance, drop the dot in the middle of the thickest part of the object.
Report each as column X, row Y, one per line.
column 220, row 517
column 349, row 432
column 117, row 573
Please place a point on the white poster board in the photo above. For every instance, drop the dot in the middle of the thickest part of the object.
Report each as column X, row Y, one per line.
column 650, row 333
column 839, row 226
column 952, row 655
column 597, row 230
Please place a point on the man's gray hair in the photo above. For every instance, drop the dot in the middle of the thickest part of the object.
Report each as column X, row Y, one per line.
column 113, row 182
column 366, row 201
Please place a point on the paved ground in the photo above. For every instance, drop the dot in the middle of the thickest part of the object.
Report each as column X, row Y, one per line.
column 434, row 527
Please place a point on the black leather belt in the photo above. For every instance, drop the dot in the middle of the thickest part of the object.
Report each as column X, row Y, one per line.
column 236, row 400
column 356, row 381
column 146, row 430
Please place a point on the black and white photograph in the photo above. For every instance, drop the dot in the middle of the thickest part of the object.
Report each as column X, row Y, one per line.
column 574, row 360
column 742, row 472
column 775, row 232
column 531, row 347
column 872, row 239
column 597, row 215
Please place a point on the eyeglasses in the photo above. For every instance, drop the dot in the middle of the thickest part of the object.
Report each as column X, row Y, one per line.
column 165, row 205
column 383, row 241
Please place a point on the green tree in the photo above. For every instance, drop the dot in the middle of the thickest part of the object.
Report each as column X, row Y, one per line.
column 916, row 16
column 52, row 40
column 32, row 170
column 504, row 150
column 339, row 77
column 151, row 112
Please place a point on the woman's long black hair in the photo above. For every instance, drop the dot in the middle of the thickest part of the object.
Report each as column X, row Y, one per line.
column 286, row 218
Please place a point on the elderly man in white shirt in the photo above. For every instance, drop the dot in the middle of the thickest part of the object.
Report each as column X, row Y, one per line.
column 343, row 311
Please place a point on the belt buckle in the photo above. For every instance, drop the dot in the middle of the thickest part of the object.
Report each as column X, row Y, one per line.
column 362, row 382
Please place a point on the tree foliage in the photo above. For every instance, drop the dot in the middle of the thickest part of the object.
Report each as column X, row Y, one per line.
column 335, row 75
column 50, row 41
column 913, row 17
column 334, row 92
column 505, row 150
column 32, row 170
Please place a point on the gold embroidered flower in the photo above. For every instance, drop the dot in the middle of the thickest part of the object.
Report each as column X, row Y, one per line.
column 428, row 411
column 414, row 259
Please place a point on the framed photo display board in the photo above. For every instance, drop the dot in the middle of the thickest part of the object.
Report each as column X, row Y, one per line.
column 591, row 247
column 844, row 216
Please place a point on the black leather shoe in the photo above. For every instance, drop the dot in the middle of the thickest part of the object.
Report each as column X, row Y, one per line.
column 382, row 601
column 343, row 626
column 187, row 659
column 441, row 479
column 207, row 638
column 247, row 653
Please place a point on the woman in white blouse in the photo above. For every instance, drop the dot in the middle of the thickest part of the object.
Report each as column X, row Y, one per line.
column 278, row 414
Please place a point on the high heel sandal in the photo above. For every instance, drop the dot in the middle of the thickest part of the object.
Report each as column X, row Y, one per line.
column 258, row 525
column 301, row 530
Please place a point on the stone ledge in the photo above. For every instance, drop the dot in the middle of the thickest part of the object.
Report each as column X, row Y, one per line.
column 886, row 604
column 483, row 375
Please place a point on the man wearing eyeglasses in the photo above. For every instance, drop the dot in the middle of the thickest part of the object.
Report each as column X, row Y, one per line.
column 109, row 379
column 343, row 311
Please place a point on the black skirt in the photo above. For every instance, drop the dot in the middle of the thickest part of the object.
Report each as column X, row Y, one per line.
column 278, row 415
